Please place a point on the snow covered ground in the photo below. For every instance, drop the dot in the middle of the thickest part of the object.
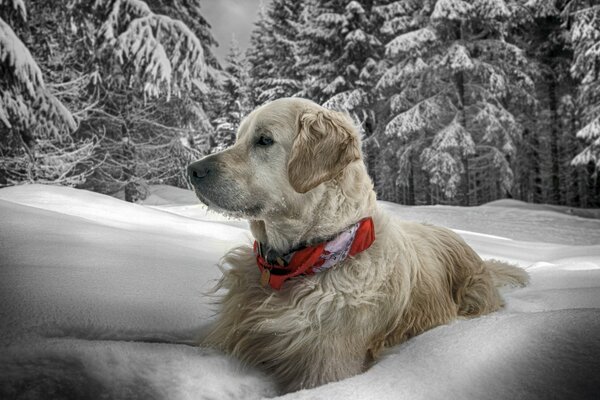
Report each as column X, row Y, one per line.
column 101, row 299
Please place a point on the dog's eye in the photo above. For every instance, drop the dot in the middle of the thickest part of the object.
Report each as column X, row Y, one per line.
column 264, row 141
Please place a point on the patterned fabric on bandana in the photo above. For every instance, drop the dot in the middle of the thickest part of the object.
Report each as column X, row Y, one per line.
column 276, row 269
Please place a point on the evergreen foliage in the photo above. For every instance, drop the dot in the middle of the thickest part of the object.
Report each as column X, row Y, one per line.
column 35, row 126
column 273, row 52
column 584, row 20
column 154, row 80
column 234, row 101
column 131, row 86
column 454, row 80
column 458, row 101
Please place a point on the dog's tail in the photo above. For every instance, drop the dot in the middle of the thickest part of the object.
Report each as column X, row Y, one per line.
column 506, row 274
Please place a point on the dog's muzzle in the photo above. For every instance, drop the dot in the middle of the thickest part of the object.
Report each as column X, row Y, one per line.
column 216, row 188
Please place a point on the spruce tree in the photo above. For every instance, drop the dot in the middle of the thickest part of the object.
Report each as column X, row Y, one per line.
column 35, row 125
column 339, row 52
column 261, row 57
column 285, row 79
column 154, row 77
column 233, row 99
column 453, row 79
column 273, row 53
column 584, row 20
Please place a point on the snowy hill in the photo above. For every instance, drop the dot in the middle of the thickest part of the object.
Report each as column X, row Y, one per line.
column 101, row 299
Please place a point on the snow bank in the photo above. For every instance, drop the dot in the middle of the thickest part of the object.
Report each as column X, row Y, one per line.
column 508, row 218
column 102, row 299
column 580, row 212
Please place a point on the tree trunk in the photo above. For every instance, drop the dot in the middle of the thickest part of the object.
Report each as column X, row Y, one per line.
column 459, row 79
column 596, row 197
column 536, row 169
column 467, row 183
column 554, row 158
column 460, row 86
column 411, row 185
column 128, row 170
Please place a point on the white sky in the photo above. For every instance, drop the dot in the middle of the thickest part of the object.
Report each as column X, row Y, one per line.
column 231, row 17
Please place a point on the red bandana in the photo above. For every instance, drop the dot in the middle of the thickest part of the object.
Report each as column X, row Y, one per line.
column 277, row 269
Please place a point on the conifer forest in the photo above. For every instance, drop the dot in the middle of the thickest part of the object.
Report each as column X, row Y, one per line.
column 458, row 102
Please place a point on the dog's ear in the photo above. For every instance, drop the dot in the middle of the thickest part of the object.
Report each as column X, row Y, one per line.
column 324, row 145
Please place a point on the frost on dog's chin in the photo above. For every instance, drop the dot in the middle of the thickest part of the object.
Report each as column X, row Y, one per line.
column 238, row 214
column 244, row 212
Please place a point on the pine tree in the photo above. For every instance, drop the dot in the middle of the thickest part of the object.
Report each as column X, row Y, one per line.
column 35, row 126
column 320, row 47
column 273, row 52
column 157, row 53
column 25, row 98
column 453, row 79
column 532, row 161
column 543, row 172
column 234, row 98
column 475, row 96
column 544, row 35
column 339, row 53
column 190, row 13
column 154, row 76
column 285, row 79
column 138, row 79
column 398, row 171
column 584, row 18
column 261, row 56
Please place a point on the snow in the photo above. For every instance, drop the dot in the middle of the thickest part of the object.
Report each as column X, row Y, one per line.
column 104, row 299
column 416, row 118
column 410, row 42
column 401, row 73
column 454, row 136
column 458, row 59
column 443, row 168
column 492, row 9
column 542, row 8
column 354, row 7
column 357, row 35
column 347, row 101
column 25, row 79
column 451, row 10
column 17, row 56
column 152, row 44
column 18, row 6
column 590, row 133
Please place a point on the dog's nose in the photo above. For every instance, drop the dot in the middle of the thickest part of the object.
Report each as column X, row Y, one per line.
column 198, row 171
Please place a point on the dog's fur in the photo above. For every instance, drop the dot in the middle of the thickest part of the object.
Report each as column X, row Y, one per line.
column 309, row 185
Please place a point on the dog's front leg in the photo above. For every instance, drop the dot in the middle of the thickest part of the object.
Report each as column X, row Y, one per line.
column 329, row 357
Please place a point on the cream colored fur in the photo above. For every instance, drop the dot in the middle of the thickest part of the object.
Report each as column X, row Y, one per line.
column 311, row 184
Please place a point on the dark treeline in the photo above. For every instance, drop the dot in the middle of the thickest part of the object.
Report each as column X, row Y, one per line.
column 458, row 101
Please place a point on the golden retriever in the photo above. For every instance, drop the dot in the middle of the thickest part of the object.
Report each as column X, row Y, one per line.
column 296, row 173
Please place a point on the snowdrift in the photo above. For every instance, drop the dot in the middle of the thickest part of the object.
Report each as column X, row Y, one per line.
column 104, row 299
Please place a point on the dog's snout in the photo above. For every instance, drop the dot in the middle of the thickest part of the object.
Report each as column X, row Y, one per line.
column 199, row 171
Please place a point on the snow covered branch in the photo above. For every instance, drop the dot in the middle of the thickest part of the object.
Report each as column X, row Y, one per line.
column 163, row 53
column 25, row 103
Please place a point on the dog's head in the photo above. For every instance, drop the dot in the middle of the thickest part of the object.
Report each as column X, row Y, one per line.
column 285, row 151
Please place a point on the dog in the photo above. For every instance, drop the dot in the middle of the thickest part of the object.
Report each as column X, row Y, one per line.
column 331, row 280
